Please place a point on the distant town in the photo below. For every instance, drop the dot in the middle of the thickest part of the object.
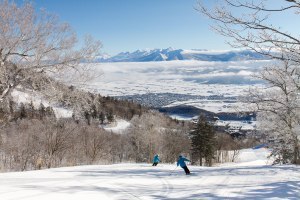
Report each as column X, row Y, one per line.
column 158, row 100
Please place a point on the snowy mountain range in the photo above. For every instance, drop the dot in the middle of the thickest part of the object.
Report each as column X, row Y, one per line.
column 180, row 54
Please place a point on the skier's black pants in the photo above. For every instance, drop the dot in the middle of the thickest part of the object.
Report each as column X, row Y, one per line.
column 154, row 164
column 186, row 170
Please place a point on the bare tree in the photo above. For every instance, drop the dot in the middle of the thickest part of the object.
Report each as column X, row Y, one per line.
column 95, row 144
column 57, row 141
column 175, row 142
column 34, row 44
column 249, row 24
column 224, row 145
column 279, row 112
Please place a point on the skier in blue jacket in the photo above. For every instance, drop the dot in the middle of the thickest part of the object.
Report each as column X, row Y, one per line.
column 156, row 160
column 181, row 161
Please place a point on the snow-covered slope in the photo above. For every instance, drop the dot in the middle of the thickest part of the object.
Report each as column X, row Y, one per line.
column 244, row 180
column 29, row 96
column 180, row 54
column 118, row 126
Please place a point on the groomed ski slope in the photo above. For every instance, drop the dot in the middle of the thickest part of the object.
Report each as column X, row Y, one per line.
column 251, row 178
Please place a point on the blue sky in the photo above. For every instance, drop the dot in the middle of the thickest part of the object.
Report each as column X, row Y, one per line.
column 128, row 25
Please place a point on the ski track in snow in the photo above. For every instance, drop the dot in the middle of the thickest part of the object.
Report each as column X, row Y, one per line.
column 206, row 183
column 248, row 179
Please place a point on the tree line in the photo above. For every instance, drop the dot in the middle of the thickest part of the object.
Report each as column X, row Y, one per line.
column 35, row 143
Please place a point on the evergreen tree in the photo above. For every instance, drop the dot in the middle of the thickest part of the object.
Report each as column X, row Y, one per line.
column 93, row 111
column 203, row 141
column 87, row 116
column 110, row 116
column 42, row 111
column 101, row 117
column 11, row 106
column 50, row 112
column 30, row 110
column 23, row 113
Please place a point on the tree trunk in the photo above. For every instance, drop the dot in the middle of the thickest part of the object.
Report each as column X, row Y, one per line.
column 200, row 158
column 5, row 93
column 296, row 153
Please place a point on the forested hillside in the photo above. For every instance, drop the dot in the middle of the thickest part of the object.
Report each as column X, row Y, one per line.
column 33, row 137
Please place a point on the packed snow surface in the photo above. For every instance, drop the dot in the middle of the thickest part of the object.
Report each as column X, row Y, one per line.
column 252, row 177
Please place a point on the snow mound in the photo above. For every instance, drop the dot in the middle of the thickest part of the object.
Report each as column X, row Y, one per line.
column 119, row 126
column 248, row 157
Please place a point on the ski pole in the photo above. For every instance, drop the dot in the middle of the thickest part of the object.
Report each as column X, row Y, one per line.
column 173, row 170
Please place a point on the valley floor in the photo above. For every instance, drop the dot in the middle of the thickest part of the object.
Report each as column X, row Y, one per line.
column 251, row 179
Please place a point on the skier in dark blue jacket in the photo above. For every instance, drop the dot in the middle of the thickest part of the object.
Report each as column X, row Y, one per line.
column 156, row 160
column 181, row 161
